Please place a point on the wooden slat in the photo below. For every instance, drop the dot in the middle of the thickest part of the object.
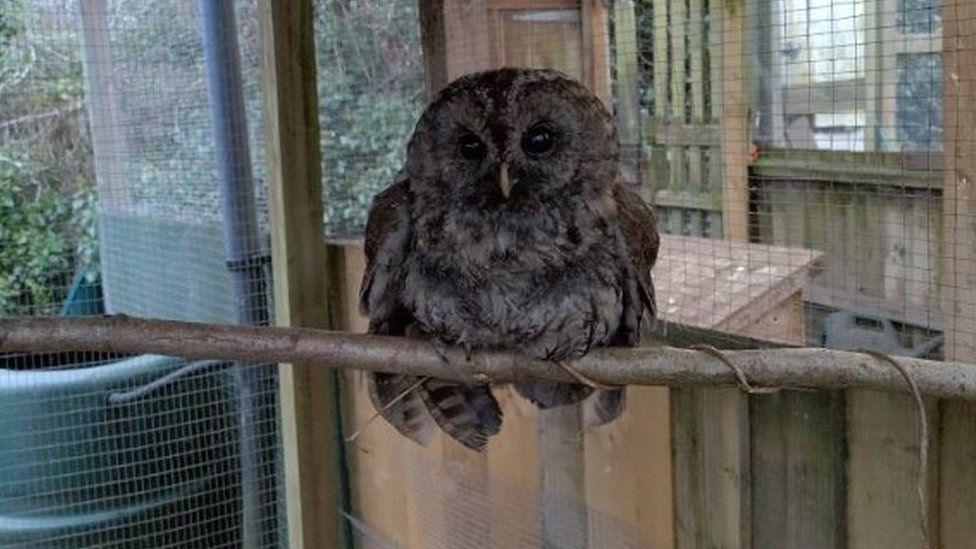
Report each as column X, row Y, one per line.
column 835, row 96
column 627, row 89
column 596, row 49
column 710, row 438
column 696, row 46
column 957, row 472
column 628, row 473
column 715, row 156
column 872, row 81
column 467, row 33
column 676, row 114
column 433, row 39
column 660, row 51
column 309, row 410
column 958, row 498
column 701, row 135
column 711, row 427
column 513, row 466
column 883, row 506
column 561, row 468
column 798, row 492
column 735, row 123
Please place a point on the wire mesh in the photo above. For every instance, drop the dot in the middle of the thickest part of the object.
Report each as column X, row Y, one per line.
column 121, row 197
column 806, row 161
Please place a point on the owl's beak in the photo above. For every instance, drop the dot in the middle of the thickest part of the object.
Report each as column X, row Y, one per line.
column 504, row 182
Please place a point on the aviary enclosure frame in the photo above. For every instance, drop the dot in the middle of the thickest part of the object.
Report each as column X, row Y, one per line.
column 728, row 155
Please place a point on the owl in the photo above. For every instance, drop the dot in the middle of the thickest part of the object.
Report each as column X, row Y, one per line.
column 508, row 228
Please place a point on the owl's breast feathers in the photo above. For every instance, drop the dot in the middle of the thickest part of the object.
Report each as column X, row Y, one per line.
column 454, row 292
column 618, row 283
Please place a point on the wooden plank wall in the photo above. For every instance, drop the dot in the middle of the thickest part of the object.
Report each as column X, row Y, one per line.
column 881, row 243
column 792, row 469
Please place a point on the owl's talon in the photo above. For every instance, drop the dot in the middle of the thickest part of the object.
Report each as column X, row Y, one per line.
column 440, row 349
column 589, row 382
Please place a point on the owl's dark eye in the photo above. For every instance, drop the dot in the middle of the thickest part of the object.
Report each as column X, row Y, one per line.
column 539, row 139
column 470, row 147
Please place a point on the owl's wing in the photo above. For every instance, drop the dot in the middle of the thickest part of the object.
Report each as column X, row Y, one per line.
column 470, row 414
column 387, row 237
column 638, row 227
column 397, row 397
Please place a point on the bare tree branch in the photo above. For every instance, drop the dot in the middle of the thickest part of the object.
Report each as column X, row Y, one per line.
column 34, row 117
column 813, row 368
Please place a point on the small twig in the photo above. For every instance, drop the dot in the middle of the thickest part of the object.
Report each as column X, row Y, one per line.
column 33, row 117
column 740, row 376
column 923, row 438
column 390, row 404
column 588, row 381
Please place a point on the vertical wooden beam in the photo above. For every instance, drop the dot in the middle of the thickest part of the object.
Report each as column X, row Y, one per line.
column 712, row 483
column 710, row 437
column 696, row 54
column 309, row 410
column 735, row 123
column 627, row 89
column 101, row 97
column 562, row 474
column 872, row 70
column 882, row 500
column 596, row 49
column 797, row 452
column 677, row 29
column 959, row 206
column 433, row 39
column 958, row 429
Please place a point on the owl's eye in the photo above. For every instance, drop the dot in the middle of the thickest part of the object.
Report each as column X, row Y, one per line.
column 538, row 140
column 470, row 147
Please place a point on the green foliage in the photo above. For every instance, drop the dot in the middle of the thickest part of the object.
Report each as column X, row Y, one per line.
column 371, row 92
column 47, row 198
column 42, row 232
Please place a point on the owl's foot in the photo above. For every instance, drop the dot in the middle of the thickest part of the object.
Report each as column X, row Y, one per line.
column 589, row 382
column 441, row 349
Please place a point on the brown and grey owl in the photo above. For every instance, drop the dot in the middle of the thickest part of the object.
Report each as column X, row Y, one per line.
column 509, row 227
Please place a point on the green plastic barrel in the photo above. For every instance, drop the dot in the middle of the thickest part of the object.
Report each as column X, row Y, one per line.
column 78, row 471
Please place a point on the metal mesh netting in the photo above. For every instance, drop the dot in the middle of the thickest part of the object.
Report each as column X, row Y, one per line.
column 107, row 125
column 804, row 161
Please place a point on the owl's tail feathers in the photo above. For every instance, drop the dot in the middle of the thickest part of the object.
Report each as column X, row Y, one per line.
column 398, row 399
column 548, row 394
column 604, row 407
column 468, row 413
column 599, row 406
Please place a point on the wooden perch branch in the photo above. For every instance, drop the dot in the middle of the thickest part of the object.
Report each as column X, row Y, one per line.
column 813, row 368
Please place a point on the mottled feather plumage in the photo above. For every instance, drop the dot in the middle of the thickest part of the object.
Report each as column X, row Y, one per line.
column 508, row 228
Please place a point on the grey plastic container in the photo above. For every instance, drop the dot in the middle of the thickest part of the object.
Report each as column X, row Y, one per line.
column 77, row 471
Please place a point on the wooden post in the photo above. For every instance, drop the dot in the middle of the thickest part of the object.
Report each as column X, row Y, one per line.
column 627, row 90
column 958, row 429
column 710, row 427
column 101, row 87
column 735, row 123
column 433, row 38
column 308, row 406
